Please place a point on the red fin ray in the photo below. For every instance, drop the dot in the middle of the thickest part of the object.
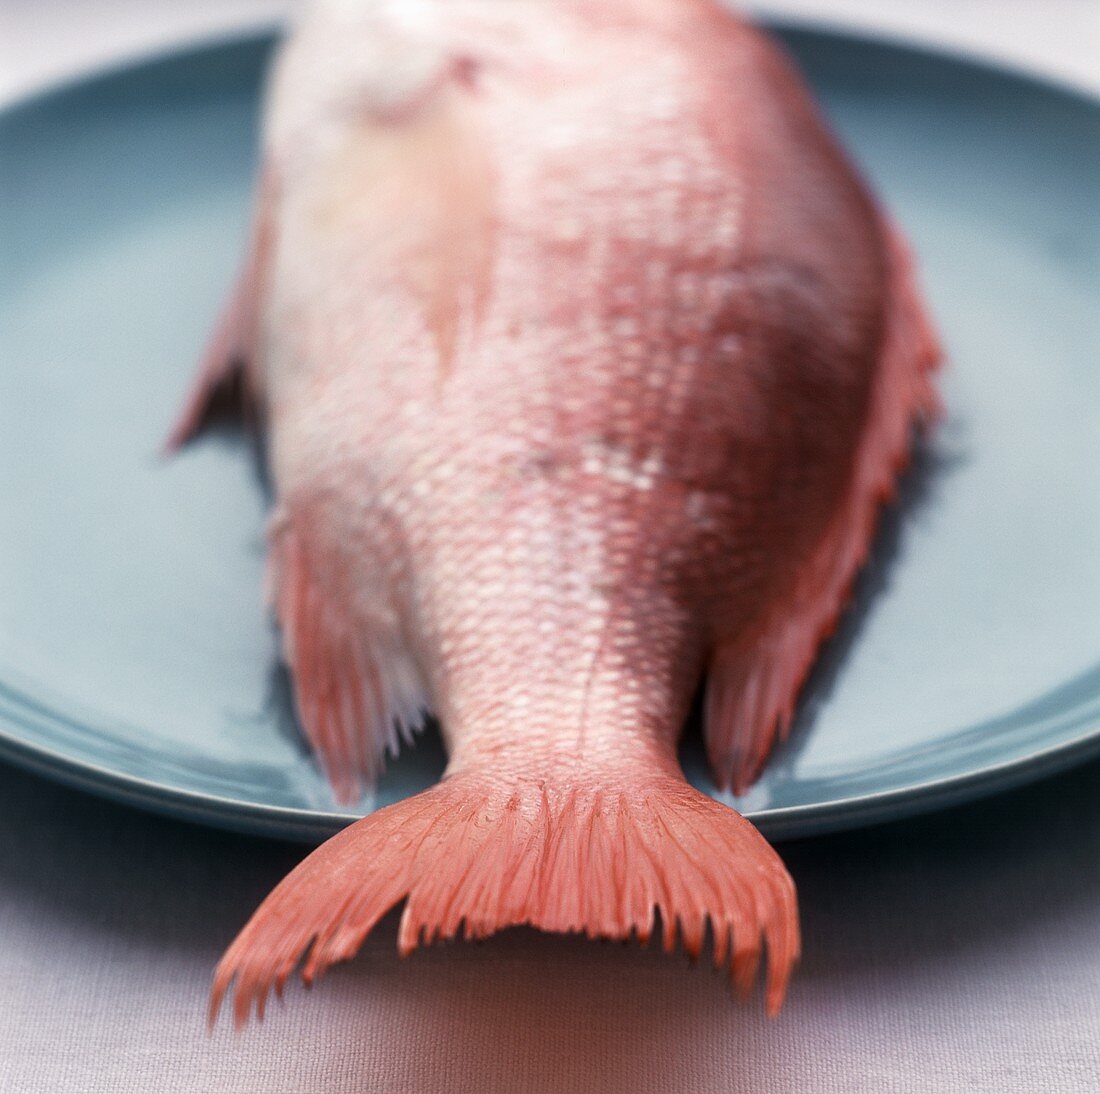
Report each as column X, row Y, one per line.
column 357, row 691
column 472, row 856
column 754, row 683
column 228, row 367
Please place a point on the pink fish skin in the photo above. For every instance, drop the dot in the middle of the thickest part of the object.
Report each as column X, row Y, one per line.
column 586, row 361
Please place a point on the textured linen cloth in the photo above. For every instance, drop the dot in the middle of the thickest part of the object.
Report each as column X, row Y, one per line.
column 959, row 952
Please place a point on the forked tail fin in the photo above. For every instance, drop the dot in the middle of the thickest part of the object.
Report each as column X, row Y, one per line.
column 474, row 854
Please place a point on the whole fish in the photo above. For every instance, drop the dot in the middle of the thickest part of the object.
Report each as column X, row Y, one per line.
column 585, row 361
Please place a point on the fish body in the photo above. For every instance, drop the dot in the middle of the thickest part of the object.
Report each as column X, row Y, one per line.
column 585, row 360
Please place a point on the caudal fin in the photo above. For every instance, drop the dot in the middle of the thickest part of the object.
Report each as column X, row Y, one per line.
column 473, row 855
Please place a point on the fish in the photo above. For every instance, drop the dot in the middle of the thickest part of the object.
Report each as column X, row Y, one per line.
column 584, row 362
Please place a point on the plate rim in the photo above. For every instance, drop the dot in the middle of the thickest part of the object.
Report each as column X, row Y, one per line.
column 312, row 825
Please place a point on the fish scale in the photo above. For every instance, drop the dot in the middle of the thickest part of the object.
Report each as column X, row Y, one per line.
column 585, row 362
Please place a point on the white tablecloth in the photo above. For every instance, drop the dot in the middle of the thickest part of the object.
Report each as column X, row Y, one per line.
column 954, row 953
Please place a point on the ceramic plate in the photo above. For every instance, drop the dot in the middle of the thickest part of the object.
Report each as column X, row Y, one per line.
column 136, row 659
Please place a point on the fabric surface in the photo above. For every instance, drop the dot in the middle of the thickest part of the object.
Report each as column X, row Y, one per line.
column 959, row 952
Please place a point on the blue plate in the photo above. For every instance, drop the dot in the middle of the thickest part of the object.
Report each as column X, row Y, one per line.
column 136, row 659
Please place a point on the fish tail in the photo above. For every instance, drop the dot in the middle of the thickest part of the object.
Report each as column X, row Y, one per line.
column 475, row 854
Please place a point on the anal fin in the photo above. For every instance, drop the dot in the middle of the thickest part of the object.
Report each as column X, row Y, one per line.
column 357, row 690
column 750, row 699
